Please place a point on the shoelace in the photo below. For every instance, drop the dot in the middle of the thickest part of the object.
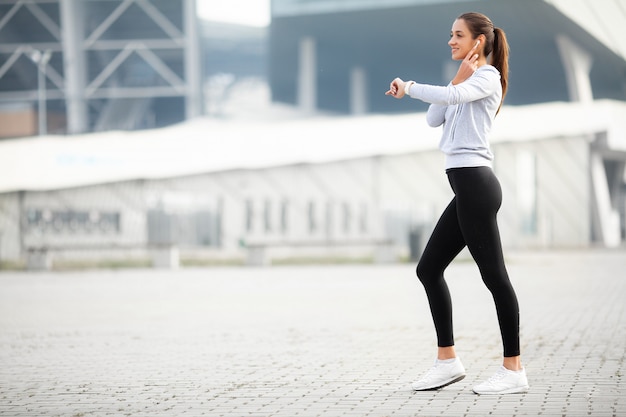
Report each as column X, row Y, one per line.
column 430, row 372
column 496, row 377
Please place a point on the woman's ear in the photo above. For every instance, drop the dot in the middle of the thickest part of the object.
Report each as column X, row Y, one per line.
column 481, row 46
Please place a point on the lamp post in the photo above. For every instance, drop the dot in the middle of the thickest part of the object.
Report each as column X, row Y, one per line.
column 41, row 60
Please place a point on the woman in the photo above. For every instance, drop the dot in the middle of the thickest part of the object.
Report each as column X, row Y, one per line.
column 467, row 108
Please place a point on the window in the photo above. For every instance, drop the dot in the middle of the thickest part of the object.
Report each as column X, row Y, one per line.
column 347, row 217
column 329, row 218
column 527, row 191
column 284, row 216
column 312, row 217
column 267, row 216
column 249, row 215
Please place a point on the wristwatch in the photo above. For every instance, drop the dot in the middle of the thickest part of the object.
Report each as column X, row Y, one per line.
column 407, row 86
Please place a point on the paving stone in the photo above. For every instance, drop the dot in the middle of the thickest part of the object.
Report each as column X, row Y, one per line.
column 306, row 341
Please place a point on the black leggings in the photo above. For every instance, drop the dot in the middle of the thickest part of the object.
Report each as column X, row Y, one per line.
column 470, row 219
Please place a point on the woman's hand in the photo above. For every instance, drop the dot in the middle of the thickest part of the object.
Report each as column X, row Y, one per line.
column 396, row 89
column 468, row 66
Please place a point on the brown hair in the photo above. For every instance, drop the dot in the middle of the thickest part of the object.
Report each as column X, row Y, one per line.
column 496, row 45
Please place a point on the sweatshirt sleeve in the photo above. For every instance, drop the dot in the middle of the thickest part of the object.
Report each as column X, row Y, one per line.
column 481, row 84
column 436, row 115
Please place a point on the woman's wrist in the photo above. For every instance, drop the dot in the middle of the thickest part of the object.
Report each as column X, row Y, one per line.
column 407, row 87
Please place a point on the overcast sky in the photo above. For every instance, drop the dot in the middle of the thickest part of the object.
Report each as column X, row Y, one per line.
column 247, row 12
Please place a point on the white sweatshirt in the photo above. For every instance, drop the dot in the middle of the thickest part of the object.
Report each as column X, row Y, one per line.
column 467, row 111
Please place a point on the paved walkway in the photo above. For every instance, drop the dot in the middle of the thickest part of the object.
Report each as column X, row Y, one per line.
column 306, row 341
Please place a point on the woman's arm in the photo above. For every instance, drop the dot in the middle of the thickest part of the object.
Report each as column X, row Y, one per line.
column 482, row 84
column 468, row 67
column 436, row 115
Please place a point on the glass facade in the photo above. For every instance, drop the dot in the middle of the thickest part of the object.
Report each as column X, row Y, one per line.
column 303, row 7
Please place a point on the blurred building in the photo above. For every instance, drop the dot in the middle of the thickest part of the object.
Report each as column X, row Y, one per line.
column 349, row 174
column 232, row 55
column 75, row 66
column 339, row 55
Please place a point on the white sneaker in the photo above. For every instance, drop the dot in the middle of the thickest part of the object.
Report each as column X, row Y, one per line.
column 504, row 381
column 443, row 373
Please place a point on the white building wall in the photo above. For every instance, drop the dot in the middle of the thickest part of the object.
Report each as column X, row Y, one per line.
column 9, row 227
column 125, row 199
column 563, row 202
column 358, row 200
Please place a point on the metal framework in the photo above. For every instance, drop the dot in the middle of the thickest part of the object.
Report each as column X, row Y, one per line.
column 109, row 61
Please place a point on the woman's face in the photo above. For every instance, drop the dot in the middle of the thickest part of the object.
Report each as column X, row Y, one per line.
column 461, row 40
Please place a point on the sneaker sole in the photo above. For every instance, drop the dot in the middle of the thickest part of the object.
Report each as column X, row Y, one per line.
column 445, row 384
column 517, row 390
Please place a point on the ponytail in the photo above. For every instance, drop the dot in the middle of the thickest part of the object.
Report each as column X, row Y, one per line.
column 500, row 60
